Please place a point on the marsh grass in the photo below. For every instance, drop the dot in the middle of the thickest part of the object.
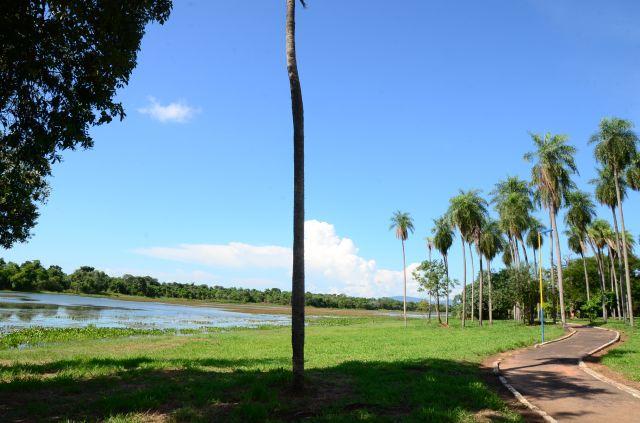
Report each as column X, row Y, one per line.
column 358, row 369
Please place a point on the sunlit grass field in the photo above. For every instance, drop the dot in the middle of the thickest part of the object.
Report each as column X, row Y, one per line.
column 625, row 357
column 358, row 369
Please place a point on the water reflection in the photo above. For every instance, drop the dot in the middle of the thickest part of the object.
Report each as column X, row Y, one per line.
column 60, row 310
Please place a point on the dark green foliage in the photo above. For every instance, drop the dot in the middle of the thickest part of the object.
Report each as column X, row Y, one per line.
column 61, row 64
column 31, row 276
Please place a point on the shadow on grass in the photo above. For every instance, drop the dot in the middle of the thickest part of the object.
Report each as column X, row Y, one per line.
column 210, row 389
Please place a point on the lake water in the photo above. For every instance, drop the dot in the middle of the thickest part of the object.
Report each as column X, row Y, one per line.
column 19, row 310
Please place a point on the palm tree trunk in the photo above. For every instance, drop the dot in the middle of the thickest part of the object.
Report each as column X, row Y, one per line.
column 603, row 285
column 473, row 283
column 551, row 271
column 556, row 238
column 586, row 274
column 404, row 295
column 614, row 283
column 625, row 311
column 446, row 305
column 524, row 251
column 490, row 293
column 480, row 293
column 623, row 234
column 429, row 306
column 297, row 279
column 535, row 262
column 437, row 294
column 464, row 283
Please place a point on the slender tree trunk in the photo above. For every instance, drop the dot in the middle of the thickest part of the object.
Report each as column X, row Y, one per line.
column 551, row 271
column 473, row 283
column 603, row 285
column 480, row 293
column 464, row 282
column 490, row 293
column 563, row 318
column 438, row 306
column 586, row 274
column 524, row 251
column 429, row 307
column 614, row 283
column 446, row 305
column 625, row 310
column 297, row 279
column 623, row 234
column 535, row 262
column 404, row 295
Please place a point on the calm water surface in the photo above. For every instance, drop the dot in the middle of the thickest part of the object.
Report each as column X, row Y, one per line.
column 19, row 310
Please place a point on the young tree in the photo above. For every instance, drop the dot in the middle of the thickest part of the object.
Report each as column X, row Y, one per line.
column 553, row 165
column 62, row 64
column 298, row 277
column 616, row 148
column 432, row 278
column 402, row 224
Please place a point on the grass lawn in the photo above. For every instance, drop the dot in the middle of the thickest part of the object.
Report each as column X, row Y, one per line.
column 625, row 358
column 358, row 369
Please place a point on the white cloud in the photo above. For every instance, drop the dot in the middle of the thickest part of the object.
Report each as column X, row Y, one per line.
column 178, row 111
column 333, row 263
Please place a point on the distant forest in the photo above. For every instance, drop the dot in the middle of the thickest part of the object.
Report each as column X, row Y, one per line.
column 32, row 276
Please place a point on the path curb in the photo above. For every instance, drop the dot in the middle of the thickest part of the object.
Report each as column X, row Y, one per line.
column 520, row 397
column 588, row 370
column 572, row 332
column 496, row 370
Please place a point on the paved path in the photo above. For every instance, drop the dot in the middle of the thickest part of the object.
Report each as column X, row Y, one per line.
column 549, row 377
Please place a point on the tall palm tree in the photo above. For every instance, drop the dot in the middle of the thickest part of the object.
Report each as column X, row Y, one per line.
column 512, row 200
column 616, row 147
column 597, row 233
column 467, row 211
column 580, row 214
column 442, row 240
column 553, row 165
column 606, row 194
column 297, row 278
column 402, row 223
column 491, row 243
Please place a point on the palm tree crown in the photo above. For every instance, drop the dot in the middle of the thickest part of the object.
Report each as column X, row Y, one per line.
column 402, row 223
column 581, row 210
column 442, row 235
column 491, row 240
column 616, row 143
column 553, row 166
column 605, row 190
column 467, row 212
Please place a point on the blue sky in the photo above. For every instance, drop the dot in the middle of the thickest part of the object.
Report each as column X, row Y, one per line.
column 404, row 106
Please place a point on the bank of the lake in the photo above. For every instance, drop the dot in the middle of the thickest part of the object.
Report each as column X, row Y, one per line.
column 358, row 368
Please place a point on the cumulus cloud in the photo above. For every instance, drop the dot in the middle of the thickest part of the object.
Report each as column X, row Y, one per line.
column 333, row 263
column 179, row 111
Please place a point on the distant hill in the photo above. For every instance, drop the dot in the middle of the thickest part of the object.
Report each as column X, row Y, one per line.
column 409, row 299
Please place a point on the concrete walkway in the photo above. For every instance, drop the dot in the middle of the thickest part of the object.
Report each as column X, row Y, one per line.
column 549, row 377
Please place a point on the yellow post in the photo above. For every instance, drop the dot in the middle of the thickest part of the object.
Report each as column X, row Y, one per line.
column 541, row 296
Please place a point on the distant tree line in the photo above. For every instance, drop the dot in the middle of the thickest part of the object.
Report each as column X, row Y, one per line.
column 33, row 276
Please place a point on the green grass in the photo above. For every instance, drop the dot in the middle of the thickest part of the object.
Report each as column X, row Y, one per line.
column 358, row 369
column 625, row 358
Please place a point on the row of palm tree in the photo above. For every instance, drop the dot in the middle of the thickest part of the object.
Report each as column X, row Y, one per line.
column 551, row 188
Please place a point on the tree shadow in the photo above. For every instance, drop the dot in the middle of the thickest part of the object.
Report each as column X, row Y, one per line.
column 237, row 390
